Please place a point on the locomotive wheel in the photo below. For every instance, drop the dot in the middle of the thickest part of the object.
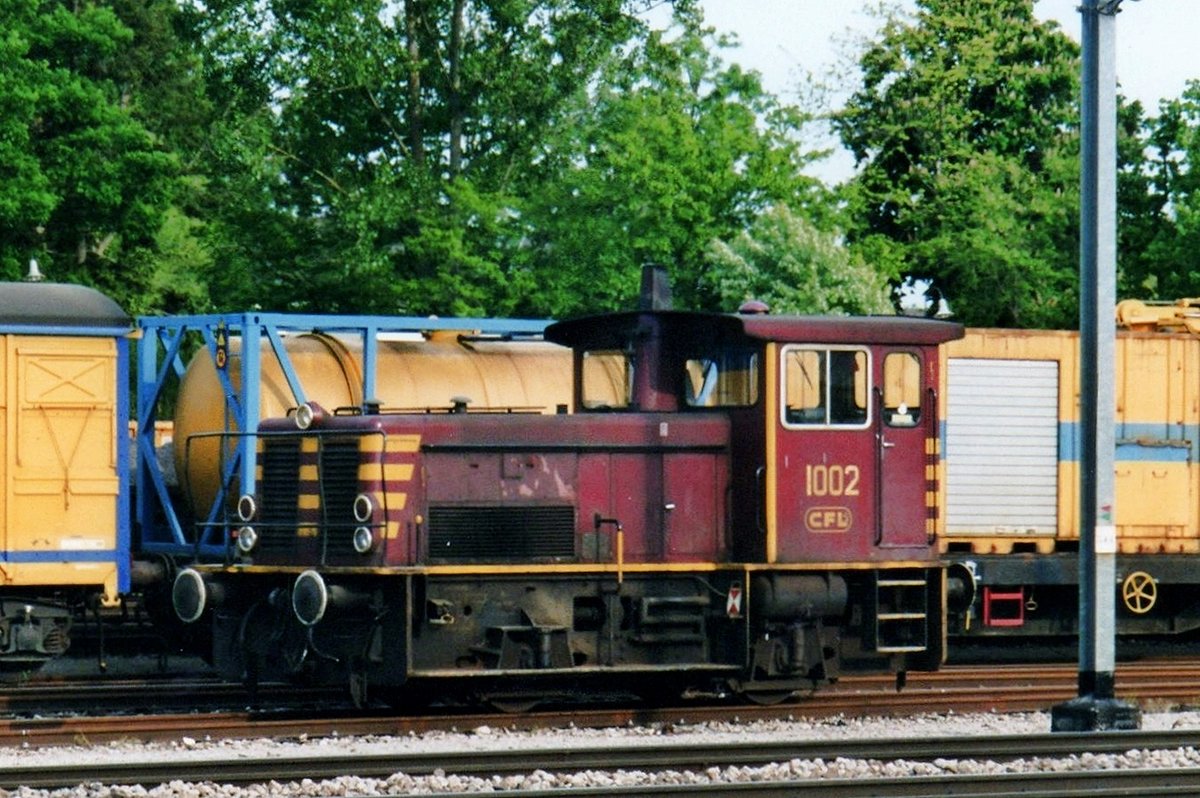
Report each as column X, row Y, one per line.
column 1139, row 592
column 768, row 698
column 270, row 647
column 514, row 705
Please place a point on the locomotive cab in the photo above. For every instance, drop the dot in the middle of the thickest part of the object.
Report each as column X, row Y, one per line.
column 848, row 484
column 835, row 419
column 834, row 461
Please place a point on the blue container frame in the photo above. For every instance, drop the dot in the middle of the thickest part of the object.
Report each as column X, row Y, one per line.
column 160, row 363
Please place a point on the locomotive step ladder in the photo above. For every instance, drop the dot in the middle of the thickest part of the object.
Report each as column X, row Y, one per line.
column 901, row 612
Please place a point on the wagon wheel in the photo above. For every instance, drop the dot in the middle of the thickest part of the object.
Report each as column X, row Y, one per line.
column 361, row 689
column 1140, row 592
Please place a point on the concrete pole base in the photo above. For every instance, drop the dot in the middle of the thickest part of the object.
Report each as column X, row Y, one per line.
column 1089, row 713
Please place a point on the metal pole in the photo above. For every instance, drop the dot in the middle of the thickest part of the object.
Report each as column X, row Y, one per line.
column 1096, row 708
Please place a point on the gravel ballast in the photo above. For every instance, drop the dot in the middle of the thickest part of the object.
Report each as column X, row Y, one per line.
column 490, row 739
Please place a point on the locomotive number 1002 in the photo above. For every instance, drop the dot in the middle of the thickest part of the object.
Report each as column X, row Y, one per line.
column 831, row 480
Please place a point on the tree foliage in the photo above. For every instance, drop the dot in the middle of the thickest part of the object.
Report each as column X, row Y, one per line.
column 500, row 157
column 1169, row 244
column 675, row 149
column 964, row 130
column 85, row 182
column 785, row 261
column 492, row 157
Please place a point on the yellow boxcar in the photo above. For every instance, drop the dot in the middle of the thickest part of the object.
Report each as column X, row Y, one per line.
column 1011, row 441
column 64, row 510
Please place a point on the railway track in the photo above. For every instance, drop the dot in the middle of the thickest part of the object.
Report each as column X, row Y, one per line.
column 125, row 696
column 658, row 757
column 960, row 689
column 52, row 714
column 1007, row 688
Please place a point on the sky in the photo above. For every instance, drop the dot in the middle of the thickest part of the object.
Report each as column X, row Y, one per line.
column 1158, row 49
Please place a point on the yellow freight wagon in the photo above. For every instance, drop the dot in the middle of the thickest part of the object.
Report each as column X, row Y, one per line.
column 1011, row 440
column 64, row 512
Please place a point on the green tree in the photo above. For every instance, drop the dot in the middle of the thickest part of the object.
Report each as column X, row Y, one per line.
column 1170, row 267
column 375, row 153
column 785, row 261
column 491, row 157
column 672, row 150
column 964, row 129
column 1142, row 218
column 84, row 183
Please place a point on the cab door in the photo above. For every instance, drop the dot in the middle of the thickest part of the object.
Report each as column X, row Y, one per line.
column 822, row 499
column 905, row 425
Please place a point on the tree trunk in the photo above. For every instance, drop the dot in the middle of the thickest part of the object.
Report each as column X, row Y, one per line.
column 416, row 133
column 456, row 109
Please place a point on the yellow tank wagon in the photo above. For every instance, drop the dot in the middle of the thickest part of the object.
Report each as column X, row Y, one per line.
column 242, row 368
column 417, row 371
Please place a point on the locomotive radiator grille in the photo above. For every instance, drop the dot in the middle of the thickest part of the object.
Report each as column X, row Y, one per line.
column 501, row 534
column 293, row 503
column 338, row 471
column 280, row 478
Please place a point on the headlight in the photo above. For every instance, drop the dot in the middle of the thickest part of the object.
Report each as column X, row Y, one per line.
column 364, row 506
column 247, row 539
column 364, row 540
column 307, row 414
column 247, row 508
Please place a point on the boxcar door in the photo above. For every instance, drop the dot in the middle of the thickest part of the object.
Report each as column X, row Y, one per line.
column 904, row 424
column 824, row 463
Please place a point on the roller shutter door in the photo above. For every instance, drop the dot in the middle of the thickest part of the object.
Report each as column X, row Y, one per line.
column 1001, row 451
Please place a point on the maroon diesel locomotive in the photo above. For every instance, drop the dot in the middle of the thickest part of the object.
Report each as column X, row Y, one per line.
column 738, row 503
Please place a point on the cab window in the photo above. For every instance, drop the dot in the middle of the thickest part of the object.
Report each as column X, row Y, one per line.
column 726, row 378
column 607, row 380
column 825, row 386
column 902, row 389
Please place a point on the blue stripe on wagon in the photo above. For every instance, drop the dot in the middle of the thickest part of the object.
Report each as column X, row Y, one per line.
column 63, row 330
column 1135, row 442
column 124, row 505
column 65, row 556
column 1132, row 452
column 1069, row 441
column 1144, row 443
